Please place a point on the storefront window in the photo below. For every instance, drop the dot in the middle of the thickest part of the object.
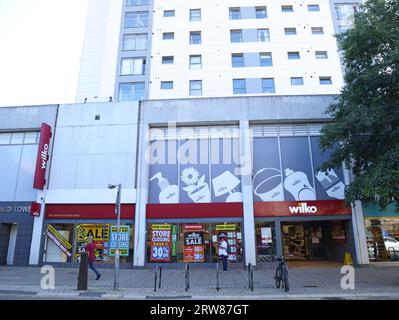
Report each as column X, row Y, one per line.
column 191, row 242
column 382, row 239
column 265, row 241
column 65, row 242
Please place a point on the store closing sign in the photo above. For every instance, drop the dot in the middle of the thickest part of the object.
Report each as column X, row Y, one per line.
column 194, row 250
column 59, row 240
column 161, row 241
column 124, row 240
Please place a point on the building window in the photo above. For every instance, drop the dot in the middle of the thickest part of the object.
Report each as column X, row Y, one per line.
column 131, row 91
column 235, row 36
column 290, row 31
column 167, row 60
column 133, row 66
column 345, row 16
column 263, row 35
column 168, row 35
column 136, row 19
column 130, row 3
column 195, row 37
column 296, row 81
column 237, row 60
column 325, row 80
column 313, row 7
column 265, row 59
column 235, row 13
column 268, row 85
column 288, row 8
column 169, row 13
column 321, row 54
column 195, row 14
column 195, row 87
column 195, row 62
column 317, row 30
column 293, row 55
column 261, row 12
column 167, row 85
column 133, row 42
column 239, row 86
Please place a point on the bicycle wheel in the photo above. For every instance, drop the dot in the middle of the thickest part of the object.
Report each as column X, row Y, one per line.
column 285, row 281
column 278, row 276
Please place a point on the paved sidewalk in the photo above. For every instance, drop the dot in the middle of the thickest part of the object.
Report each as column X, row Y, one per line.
column 308, row 283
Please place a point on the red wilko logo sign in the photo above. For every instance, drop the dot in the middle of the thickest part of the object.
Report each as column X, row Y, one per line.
column 42, row 157
column 303, row 207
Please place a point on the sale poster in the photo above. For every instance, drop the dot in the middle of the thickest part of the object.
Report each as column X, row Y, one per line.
column 194, row 250
column 161, row 242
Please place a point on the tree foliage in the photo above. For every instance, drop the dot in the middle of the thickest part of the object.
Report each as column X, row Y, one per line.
column 365, row 127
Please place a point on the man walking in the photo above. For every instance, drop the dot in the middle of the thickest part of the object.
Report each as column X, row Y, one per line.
column 90, row 249
column 223, row 252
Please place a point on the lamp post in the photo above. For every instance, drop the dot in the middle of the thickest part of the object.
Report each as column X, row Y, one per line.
column 118, row 215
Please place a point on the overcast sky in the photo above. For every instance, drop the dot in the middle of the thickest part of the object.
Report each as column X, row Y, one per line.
column 40, row 48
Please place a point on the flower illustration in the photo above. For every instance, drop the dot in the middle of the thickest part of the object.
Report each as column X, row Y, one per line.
column 190, row 176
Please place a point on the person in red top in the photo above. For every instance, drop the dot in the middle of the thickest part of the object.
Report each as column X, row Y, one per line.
column 90, row 249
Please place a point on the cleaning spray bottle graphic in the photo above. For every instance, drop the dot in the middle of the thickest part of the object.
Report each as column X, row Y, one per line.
column 169, row 193
column 298, row 185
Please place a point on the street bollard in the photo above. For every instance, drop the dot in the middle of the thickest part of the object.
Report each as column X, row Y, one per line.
column 155, row 280
column 160, row 277
column 83, row 270
column 252, row 278
column 187, row 277
column 217, row 277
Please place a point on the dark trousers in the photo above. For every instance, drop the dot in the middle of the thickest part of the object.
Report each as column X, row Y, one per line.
column 92, row 266
column 224, row 262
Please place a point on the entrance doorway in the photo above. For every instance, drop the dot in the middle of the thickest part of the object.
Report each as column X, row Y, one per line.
column 304, row 241
column 8, row 239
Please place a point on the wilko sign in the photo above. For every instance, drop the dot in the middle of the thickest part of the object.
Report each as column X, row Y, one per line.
column 35, row 209
column 42, row 157
column 303, row 208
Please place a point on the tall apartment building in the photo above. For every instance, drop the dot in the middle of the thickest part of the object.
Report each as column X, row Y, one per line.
column 143, row 49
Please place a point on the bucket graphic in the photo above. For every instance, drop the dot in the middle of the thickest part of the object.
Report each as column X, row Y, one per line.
column 268, row 184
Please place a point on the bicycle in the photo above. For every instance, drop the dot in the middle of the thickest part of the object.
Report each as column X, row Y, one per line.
column 282, row 274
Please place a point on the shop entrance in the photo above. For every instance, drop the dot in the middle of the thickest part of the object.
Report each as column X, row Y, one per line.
column 8, row 239
column 304, row 241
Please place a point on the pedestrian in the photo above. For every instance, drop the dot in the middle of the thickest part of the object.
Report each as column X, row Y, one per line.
column 90, row 248
column 223, row 252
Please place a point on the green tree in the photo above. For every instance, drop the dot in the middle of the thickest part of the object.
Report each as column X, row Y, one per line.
column 365, row 127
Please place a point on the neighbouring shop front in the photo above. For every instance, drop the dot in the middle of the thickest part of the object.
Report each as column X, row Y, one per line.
column 382, row 233
column 68, row 226
column 299, row 210
column 16, row 227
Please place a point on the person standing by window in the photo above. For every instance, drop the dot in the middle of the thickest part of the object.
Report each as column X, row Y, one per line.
column 223, row 252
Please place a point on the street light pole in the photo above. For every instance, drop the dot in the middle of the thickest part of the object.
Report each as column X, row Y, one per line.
column 118, row 215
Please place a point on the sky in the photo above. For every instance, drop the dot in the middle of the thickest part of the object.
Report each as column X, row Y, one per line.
column 40, row 49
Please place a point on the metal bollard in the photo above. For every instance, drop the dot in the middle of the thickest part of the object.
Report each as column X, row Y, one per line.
column 83, row 270
column 252, row 278
column 155, row 280
column 160, row 277
column 217, row 277
column 187, row 276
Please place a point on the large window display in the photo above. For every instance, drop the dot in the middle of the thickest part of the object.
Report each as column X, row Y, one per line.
column 194, row 165
column 286, row 161
column 382, row 239
column 192, row 242
column 65, row 242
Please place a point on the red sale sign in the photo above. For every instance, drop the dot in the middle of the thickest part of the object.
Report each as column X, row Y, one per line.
column 42, row 157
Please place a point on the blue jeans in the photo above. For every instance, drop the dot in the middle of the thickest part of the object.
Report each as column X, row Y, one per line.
column 92, row 266
column 224, row 261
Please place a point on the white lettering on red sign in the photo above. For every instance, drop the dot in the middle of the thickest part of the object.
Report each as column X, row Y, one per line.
column 44, row 156
column 303, row 208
